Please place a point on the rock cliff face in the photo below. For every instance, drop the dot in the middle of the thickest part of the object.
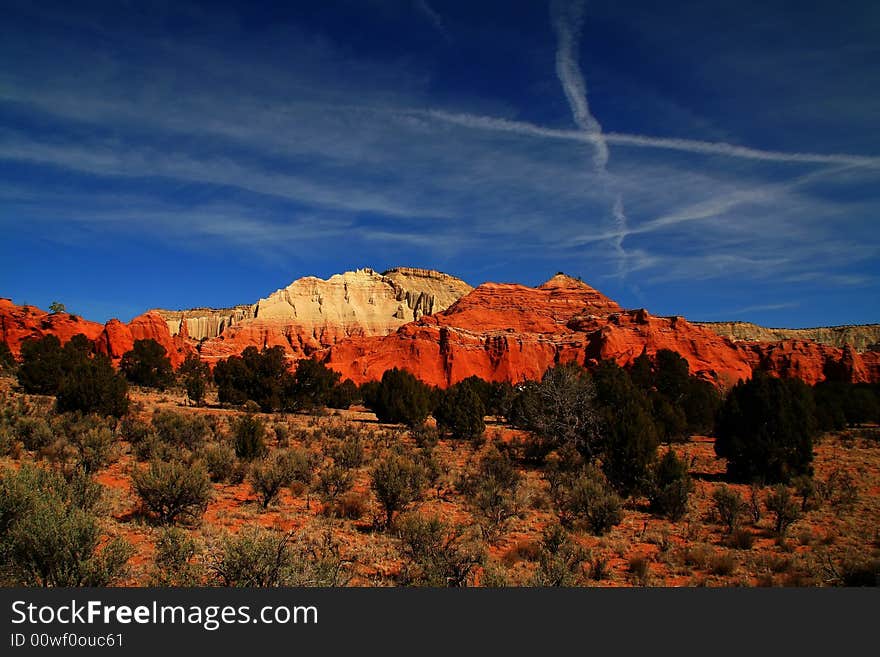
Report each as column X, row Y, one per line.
column 363, row 323
column 865, row 337
column 201, row 323
column 311, row 314
column 513, row 333
column 19, row 323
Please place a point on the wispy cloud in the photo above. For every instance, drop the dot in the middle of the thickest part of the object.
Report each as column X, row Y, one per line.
column 694, row 146
column 433, row 17
column 568, row 20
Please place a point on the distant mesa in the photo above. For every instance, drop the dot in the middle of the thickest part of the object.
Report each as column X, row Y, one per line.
column 362, row 323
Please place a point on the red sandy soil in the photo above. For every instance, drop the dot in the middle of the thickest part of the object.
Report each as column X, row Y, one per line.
column 690, row 552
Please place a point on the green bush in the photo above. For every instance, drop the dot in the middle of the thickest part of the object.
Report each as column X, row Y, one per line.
column 628, row 434
column 268, row 476
column 262, row 558
column 7, row 360
column 765, row 429
column 43, row 365
column 729, row 507
column 491, row 489
column 400, row 398
column 93, row 386
column 671, row 486
column 249, row 437
column 397, row 480
column 434, row 553
column 173, row 490
column 587, row 498
column 781, row 503
column 180, row 429
column 262, row 377
column 221, row 463
column 196, row 375
column 173, row 565
column 560, row 410
column 147, row 364
column 34, row 432
column 49, row 533
column 311, row 386
column 461, row 411
column 561, row 561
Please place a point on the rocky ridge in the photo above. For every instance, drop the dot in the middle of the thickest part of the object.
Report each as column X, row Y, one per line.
column 362, row 323
column 864, row 337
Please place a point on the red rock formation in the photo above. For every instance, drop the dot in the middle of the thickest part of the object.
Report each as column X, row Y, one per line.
column 499, row 332
column 117, row 338
column 513, row 333
column 18, row 323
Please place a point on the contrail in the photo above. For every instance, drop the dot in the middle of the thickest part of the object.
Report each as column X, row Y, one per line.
column 495, row 124
column 567, row 21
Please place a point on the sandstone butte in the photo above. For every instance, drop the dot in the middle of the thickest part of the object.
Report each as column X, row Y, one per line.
column 362, row 323
column 18, row 323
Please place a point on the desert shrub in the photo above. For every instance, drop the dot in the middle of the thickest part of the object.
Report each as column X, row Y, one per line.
column 765, row 429
column 805, row 486
column 34, row 432
column 860, row 572
column 783, row 506
column 147, row 364
column 722, row 564
column 491, row 489
column 461, row 411
column 172, row 490
column 93, row 444
column 303, row 464
column 252, row 558
column 7, row 360
column 399, row 398
column 561, row 562
column 348, row 452
column 628, row 434
column 425, row 435
column 434, row 553
column 728, row 506
column 249, row 434
column 93, row 386
column 839, row 489
column 262, row 377
column 173, row 564
column 559, row 410
column 282, row 434
column 262, row 558
column 196, row 375
column 134, row 430
column 311, row 385
column 639, row 569
column 753, row 505
column 586, row 498
column 43, row 365
column 671, row 486
column 180, row 429
column 268, row 476
column 333, row 481
column 349, row 505
column 343, row 395
column 741, row 539
column 221, row 463
column 49, row 533
column 397, row 480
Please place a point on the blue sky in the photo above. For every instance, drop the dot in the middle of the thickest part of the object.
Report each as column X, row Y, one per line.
column 718, row 160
